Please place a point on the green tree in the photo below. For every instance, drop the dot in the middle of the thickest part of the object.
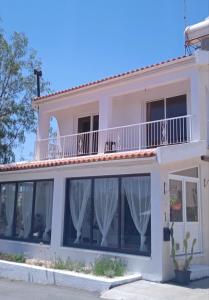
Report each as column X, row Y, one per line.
column 17, row 89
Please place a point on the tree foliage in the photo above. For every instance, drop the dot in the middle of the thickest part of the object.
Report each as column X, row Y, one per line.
column 17, row 89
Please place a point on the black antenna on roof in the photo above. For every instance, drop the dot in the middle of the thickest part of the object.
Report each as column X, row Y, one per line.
column 38, row 74
column 185, row 24
column 185, row 14
column 187, row 48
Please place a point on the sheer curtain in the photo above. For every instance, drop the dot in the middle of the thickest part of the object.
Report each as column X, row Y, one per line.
column 80, row 192
column 105, row 204
column 137, row 190
column 48, row 198
column 9, row 206
column 27, row 196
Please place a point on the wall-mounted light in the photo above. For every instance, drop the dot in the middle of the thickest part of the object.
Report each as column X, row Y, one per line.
column 206, row 181
column 165, row 189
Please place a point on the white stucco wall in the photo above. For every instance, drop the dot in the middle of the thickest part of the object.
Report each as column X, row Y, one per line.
column 203, row 169
column 68, row 119
column 125, row 96
column 159, row 266
column 131, row 108
column 150, row 267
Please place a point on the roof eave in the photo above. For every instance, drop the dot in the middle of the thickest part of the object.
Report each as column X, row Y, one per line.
column 112, row 80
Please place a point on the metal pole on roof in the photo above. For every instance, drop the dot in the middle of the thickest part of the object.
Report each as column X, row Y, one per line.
column 38, row 74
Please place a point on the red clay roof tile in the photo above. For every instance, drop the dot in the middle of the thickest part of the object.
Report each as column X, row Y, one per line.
column 108, row 78
column 77, row 160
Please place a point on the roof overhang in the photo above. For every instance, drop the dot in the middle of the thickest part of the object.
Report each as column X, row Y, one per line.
column 141, row 154
column 115, row 79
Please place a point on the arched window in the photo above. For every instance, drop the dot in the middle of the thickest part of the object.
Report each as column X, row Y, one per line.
column 53, row 128
column 54, row 145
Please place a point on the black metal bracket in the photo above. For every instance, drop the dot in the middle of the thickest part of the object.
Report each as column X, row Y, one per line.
column 166, row 234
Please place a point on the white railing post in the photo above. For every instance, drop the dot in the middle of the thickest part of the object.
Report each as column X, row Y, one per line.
column 63, row 147
column 190, row 128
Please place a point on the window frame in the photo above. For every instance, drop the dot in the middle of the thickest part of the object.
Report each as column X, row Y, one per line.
column 90, row 246
column 30, row 239
column 164, row 99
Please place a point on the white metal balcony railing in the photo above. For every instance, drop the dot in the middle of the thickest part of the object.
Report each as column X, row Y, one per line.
column 132, row 137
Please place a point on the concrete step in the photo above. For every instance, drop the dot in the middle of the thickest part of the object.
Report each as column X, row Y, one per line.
column 199, row 271
column 147, row 290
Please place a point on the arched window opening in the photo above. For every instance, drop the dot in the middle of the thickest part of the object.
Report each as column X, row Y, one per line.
column 54, row 145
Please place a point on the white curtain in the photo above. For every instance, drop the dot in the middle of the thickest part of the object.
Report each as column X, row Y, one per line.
column 27, row 202
column 9, row 206
column 48, row 198
column 80, row 191
column 105, row 204
column 137, row 190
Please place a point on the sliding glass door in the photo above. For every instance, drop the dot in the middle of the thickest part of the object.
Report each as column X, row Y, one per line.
column 171, row 131
column 87, row 142
column 185, row 211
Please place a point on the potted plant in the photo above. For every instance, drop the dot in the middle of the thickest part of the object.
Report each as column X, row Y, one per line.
column 182, row 272
column 175, row 202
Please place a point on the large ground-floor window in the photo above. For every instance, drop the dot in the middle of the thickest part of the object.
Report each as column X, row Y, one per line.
column 26, row 210
column 109, row 213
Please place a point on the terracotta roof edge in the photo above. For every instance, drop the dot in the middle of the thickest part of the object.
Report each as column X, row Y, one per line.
column 120, row 75
column 78, row 160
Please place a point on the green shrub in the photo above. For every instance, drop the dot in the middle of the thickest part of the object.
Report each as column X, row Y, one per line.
column 109, row 267
column 19, row 258
column 70, row 265
column 13, row 257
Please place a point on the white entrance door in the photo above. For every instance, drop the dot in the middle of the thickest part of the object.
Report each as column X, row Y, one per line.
column 185, row 210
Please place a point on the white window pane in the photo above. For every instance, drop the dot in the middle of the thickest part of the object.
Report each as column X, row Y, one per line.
column 7, row 203
column 105, row 231
column 191, row 202
column 43, row 211
column 193, row 172
column 24, row 210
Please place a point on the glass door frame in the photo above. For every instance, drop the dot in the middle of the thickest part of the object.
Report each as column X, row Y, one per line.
column 164, row 137
column 184, row 180
column 91, row 139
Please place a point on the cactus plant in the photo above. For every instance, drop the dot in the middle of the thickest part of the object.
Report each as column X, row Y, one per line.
column 174, row 248
column 182, row 272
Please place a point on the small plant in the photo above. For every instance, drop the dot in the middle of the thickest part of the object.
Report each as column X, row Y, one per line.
column 109, row 267
column 70, row 265
column 19, row 258
column 182, row 273
column 175, row 247
column 60, row 264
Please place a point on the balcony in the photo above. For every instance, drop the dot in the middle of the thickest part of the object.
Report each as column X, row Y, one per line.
column 146, row 135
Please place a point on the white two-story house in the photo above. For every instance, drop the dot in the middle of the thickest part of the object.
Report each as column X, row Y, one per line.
column 130, row 157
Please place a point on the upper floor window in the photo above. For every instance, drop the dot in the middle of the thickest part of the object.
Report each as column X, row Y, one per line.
column 26, row 210
column 167, row 108
column 167, row 121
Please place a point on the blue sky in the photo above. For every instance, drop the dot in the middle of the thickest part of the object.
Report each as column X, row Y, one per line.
column 84, row 40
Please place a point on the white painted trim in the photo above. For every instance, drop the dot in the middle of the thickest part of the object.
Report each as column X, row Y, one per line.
column 184, row 180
